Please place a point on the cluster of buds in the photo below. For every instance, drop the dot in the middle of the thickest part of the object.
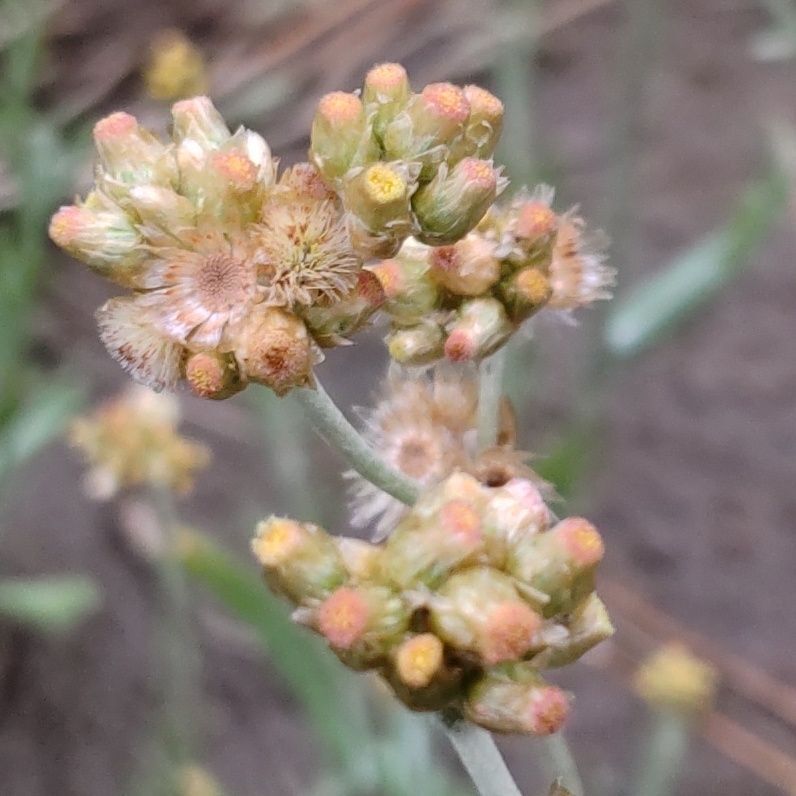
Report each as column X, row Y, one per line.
column 464, row 300
column 475, row 592
column 407, row 163
column 132, row 441
column 237, row 276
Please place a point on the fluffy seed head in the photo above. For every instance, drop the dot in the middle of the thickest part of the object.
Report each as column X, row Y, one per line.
column 418, row 659
column 343, row 617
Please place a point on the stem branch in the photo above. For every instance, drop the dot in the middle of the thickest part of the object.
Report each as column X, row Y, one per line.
column 490, row 392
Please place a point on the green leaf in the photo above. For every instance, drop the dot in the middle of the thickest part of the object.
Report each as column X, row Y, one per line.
column 35, row 424
column 333, row 700
column 54, row 603
column 654, row 308
column 564, row 465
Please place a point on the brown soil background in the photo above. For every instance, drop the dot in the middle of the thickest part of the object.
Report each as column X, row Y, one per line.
column 694, row 478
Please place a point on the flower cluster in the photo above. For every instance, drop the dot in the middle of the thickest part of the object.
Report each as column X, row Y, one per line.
column 236, row 276
column 464, row 300
column 408, row 163
column 425, row 427
column 132, row 441
column 474, row 593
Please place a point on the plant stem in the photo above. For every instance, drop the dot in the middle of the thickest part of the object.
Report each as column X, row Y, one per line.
column 480, row 757
column 663, row 756
column 490, row 392
column 332, row 425
column 562, row 763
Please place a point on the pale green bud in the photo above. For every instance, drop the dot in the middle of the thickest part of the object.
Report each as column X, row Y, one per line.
column 379, row 196
column 515, row 699
column 449, row 206
column 300, row 560
column 525, row 292
column 559, row 563
column 480, row 327
column 411, row 293
column 467, row 268
column 421, row 344
column 164, row 213
column 362, row 623
column 386, row 92
column 588, row 624
column 197, row 119
column 480, row 611
column 103, row 236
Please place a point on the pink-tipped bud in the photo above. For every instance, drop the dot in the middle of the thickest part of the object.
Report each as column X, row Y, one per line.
column 236, row 169
column 517, row 700
column 197, row 119
column 581, row 541
column 484, row 124
column 411, row 293
column 386, row 90
column 339, row 136
column 449, row 206
column 212, row 375
column 461, row 520
column 330, row 324
column 508, row 632
column 100, row 234
column 418, row 659
column 300, row 560
column 480, row 327
column 274, row 349
column 421, row 344
column 536, row 222
column 343, row 618
column 467, row 268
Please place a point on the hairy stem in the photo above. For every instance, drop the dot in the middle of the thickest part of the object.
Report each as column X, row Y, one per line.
column 332, row 425
column 480, row 757
column 490, row 392
column 663, row 755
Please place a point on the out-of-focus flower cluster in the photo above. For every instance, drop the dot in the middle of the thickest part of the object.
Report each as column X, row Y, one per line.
column 475, row 592
column 674, row 679
column 237, row 276
column 426, row 427
column 463, row 301
column 175, row 68
column 132, row 441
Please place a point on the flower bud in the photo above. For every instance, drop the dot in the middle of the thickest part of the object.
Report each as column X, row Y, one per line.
column 536, row 223
column 587, row 625
column 330, row 324
column 340, row 137
column 467, row 268
column 484, row 125
column 432, row 120
column 449, row 206
column 418, row 659
column 479, row 610
column 427, row 545
column 164, row 213
column 421, row 344
column 479, row 328
column 517, row 701
column 515, row 510
column 197, row 119
column 559, row 563
column 130, row 155
column 274, row 349
column 300, row 560
column 379, row 197
column 387, row 90
column 674, row 679
column 525, row 292
column 362, row 559
column 410, row 292
column 213, row 375
column 100, row 233
column 362, row 623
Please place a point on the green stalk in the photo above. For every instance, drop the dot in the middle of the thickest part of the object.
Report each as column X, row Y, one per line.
column 335, row 429
column 562, row 763
column 490, row 391
column 663, row 756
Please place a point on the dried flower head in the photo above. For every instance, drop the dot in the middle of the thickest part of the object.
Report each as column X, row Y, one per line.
column 132, row 441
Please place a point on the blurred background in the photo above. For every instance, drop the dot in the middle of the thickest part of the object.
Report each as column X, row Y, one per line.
column 667, row 416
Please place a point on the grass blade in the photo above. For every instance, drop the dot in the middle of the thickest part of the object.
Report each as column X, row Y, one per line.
column 52, row 604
